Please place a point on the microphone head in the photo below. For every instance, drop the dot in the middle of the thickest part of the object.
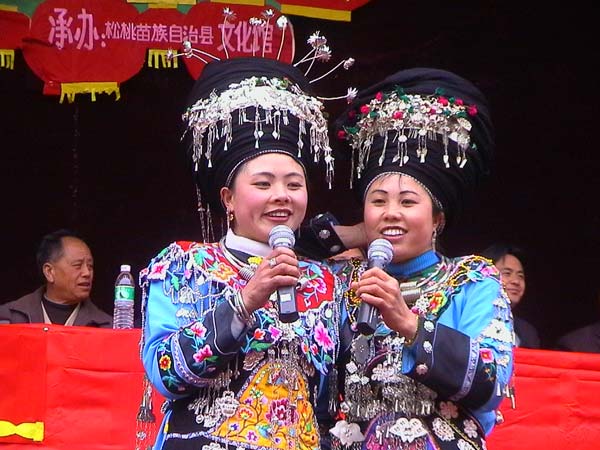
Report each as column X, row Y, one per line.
column 281, row 236
column 382, row 250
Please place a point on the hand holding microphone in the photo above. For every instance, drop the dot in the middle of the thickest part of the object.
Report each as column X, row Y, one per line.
column 283, row 236
column 380, row 254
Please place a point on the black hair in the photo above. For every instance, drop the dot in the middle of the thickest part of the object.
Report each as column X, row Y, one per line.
column 51, row 248
column 499, row 250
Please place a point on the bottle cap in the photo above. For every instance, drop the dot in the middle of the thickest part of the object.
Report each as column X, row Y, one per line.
column 125, row 268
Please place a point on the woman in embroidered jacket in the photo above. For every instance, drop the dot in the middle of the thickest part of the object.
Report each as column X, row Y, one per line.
column 213, row 342
column 440, row 359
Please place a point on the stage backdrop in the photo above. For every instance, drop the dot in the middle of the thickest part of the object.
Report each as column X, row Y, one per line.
column 66, row 388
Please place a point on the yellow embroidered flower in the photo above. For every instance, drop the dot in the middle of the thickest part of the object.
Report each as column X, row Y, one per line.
column 223, row 272
column 438, row 299
column 164, row 362
column 255, row 260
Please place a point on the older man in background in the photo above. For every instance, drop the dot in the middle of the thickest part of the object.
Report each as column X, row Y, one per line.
column 66, row 264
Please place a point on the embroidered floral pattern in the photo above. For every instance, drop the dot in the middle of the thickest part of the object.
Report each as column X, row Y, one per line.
column 268, row 412
column 448, row 410
column 442, row 430
column 464, row 445
column 470, row 428
column 266, row 417
column 449, row 425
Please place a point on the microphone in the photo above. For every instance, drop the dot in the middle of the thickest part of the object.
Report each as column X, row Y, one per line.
column 283, row 236
column 380, row 254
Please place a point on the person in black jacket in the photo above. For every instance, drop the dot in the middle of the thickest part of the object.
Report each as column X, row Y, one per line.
column 585, row 339
column 509, row 259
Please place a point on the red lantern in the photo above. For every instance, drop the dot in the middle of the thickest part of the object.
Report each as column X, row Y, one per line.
column 240, row 30
column 84, row 46
column 14, row 26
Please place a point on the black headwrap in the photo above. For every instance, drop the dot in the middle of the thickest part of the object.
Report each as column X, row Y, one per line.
column 289, row 120
column 387, row 110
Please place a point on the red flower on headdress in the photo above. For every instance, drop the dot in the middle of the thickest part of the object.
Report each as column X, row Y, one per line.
column 365, row 109
column 398, row 115
column 472, row 110
column 443, row 101
column 379, row 96
column 341, row 135
column 459, row 101
column 351, row 114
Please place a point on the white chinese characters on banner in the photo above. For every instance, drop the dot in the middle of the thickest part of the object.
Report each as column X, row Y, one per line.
column 61, row 34
column 78, row 30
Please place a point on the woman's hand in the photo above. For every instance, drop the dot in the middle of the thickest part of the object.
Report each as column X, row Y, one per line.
column 352, row 236
column 278, row 269
column 379, row 289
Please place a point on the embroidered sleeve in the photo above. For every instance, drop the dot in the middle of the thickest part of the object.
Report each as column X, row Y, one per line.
column 187, row 332
column 466, row 356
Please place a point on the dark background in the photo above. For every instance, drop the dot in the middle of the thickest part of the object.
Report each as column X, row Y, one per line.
column 114, row 171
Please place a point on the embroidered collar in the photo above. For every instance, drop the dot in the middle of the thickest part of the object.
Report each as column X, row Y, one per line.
column 415, row 265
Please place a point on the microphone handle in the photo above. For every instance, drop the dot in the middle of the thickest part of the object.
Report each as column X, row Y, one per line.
column 368, row 315
column 366, row 321
column 286, row 299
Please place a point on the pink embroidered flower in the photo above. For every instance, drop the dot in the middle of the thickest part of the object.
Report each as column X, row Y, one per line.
column 198, row 329
column 398, row 115
column 202, row 354
column 487, row 356
column 365, row 109
column 275, row 333
column 379, row 96
column 322, row 337
column 164, row 362
column 443, row 101
column 472, row 110
column 259, row 334
column 187, row 273
column 158, row 271
column 279, row 412
column 448, row 410
column 317, row 284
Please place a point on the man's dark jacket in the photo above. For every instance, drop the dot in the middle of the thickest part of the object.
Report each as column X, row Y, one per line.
column 28, row 309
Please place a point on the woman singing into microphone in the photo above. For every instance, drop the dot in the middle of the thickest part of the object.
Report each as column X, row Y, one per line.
column 234, row 374
column 434, row 371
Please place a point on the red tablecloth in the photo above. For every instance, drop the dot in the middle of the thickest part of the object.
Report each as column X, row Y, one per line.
column 85, row 385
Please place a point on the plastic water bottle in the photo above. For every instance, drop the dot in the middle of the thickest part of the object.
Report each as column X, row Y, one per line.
column 124, row 299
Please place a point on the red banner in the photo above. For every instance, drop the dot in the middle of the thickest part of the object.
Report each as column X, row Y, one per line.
column 244, row 31
column 81, row 389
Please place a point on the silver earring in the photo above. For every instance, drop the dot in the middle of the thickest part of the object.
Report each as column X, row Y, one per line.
column 433, row 239
column 230, row 218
